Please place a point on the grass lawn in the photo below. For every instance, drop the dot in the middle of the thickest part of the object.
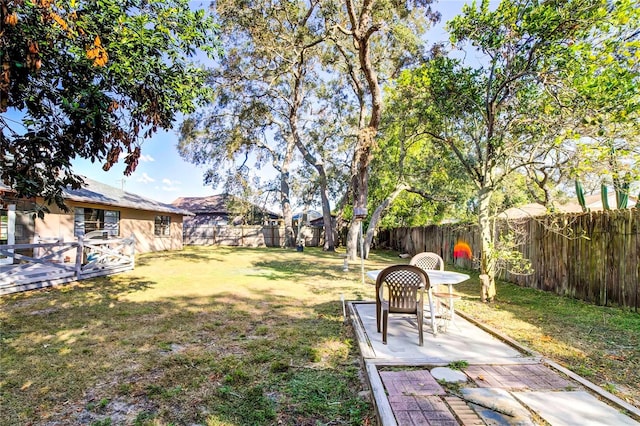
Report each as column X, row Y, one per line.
column 215, row 336
column 239, row 336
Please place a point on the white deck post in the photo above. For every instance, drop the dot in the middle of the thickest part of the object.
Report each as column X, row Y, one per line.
column 11, row 229
column 133, row 250
column 79, row 252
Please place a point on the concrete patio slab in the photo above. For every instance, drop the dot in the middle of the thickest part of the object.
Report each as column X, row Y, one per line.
column 496, row 365
column 497, row 405
column 464, row 341
column 449, row 375
column 573, row 408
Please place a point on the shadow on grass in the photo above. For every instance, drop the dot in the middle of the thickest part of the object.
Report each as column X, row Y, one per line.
column 86, row 352
column 189, row 254
column 95, row 356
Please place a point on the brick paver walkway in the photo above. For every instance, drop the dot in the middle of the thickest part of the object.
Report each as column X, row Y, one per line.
column 416, row 382
column 421, row 410
column 533, row 377
column 506, row 377
column 417, row 399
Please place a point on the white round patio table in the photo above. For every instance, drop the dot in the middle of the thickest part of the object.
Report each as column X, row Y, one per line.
column 436, row 277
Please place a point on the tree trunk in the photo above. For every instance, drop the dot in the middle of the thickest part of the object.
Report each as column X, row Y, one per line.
column 360, row 180
column 329, row 240
column 352, row 240
column 360, row 177
column 362, row 30
column 285, row 202
column 487, row 261
column 375, row 217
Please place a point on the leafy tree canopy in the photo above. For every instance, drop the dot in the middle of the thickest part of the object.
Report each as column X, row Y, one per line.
column 497, row 118
column 91, row 79
column 603, row 88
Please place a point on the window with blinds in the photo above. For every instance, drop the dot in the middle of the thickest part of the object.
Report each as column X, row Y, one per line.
column 88, row 220
column 4, row 227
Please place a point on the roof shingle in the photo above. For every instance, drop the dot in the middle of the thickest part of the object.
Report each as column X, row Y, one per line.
column 100, row 193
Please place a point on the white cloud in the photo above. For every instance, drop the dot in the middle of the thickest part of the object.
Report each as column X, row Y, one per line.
column 147, row 158
column 145, row 178
column 170, row 185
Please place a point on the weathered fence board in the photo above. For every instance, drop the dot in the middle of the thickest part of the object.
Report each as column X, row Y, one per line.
column 589, row 256
column 245, row 236
column 62, row 262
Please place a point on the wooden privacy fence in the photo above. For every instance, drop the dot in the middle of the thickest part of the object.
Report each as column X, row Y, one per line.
column 245, row 236
column 59, row 262
column 589, row 256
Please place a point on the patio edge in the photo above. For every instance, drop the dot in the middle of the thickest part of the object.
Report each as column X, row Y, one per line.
column 631, row 409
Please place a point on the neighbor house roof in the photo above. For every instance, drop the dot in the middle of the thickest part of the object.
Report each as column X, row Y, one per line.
column 99, row 193
column 212, row 204
column 311, row 215
column 593, row 202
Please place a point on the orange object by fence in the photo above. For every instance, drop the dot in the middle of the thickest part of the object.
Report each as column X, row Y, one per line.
column 462, row 250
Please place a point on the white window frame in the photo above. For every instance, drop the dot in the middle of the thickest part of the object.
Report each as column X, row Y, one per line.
column 108, row 221
column 162, row 226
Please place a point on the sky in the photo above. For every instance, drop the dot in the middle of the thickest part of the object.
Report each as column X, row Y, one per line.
column 161, row 174
column 164, row 176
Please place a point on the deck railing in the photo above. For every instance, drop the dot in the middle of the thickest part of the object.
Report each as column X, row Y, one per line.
column 59, row 262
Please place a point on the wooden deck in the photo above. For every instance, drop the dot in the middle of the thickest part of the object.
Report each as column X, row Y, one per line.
column 62, row 262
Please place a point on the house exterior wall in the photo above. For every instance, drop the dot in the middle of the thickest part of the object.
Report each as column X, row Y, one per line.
column 24, row 221
column 140, row 223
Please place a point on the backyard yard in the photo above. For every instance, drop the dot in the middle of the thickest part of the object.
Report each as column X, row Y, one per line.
column 240, row 336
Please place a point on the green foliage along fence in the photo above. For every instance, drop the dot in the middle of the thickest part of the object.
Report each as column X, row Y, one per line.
column 591, row 256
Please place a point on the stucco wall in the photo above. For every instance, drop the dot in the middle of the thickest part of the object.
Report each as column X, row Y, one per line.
column 140, row 223
column 56, row 223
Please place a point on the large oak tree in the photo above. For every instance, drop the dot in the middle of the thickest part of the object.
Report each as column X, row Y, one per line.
column 260, row 92
column 375, row 39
